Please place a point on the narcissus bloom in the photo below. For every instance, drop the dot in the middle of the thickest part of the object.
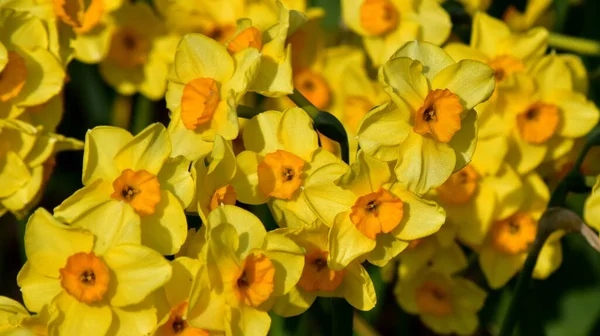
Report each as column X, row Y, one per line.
column 387, row 24
column 505, row 248
column 29, row 73
column 429, row 254
column 26, row 156
column 473, row 200
column 249, row 268
column 16, row 320
column 214, row 178
column 205, row 85
column 282, row 151
column 137, row 171
column 537, row 13
column 368, row 216
column 91, row 287
column 274, row 75
column 543, row 115
column 352, row 283
column 140, row 52
column 430, row 126
column 446, row 304
column 592, row 207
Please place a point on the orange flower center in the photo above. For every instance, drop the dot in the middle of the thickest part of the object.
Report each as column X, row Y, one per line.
column 128, row 48
column 199, row 102
column 314, row 87
column 254, row 285
column 377, row 212
column 434, row 299
column 460, row 187
column 539, row 123
column 140, row 189
column 223, row 195
column 515, row 234
column 12, row 77
column 439, row 115
column 176, row 325
column 378, row 17
column 79, row 14
column 247, row 38
column 85, row 277
column 505, row 65
column 280, row 174
column 316, row 276
column 355, row 108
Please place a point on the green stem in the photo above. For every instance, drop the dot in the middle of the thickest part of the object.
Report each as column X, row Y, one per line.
column 575, row 44
column 247, row 112
column 326, row 123
column 143, row 113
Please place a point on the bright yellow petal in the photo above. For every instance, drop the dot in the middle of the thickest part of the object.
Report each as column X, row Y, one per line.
column 137, row 319
column 247, row 320
column 147, row 151
column 366, row 175
column 358, row 288
column 176, row 178
column 294, row 303
column 101, row 145
column 474, row 218
column 382, row 130
column 528, row 46
column 72, row 317
column 137, row 271
column 591, row 213
column 14, row 173
column 260, row 133
column 247, row 63
column 434, row 22
column 387, row 248
column 83, row 200
column 200, row 56
column 297, row 134
column 551, row 73
column 579, row 115
column 420, row 154
column 459, row 52
column 47, row 256
column 548, row 261
column 346, row 242
column 472, row 81
column 185, row 142
column 165, row 230
column 433, row 58
column 45, row 77
column 524, row 156
column 274, row 79
column 121, row 226
column 179, row 287
column 421, row 217
column 246, row 224
column 464, row 141
column 487, row 33
column 38, row 290
column 245, row 181
column 288, row 260
column 498, row 267
column 403, row 80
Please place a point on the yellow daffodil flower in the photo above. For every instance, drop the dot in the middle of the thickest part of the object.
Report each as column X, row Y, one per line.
column 274, row 75
column 592, row 207
column 544, row 115
column 353, row 93
column 537, row 13
column 213, row 18
column 26, row 157
column 137, row 171
column 352, row 283
column 249, row 268
column 29, row 73
column 92, row 287
column 16, row 320
column 474, row 6
column 430, row 126
column 505, row 248
column 205, row 85
column 387, row 24
column 175, row 300
column 429, row 254
column 140, row 52
column 214, row 180
column 445, row 304
column 368, row 216
column 282, row 151
column 473, row 200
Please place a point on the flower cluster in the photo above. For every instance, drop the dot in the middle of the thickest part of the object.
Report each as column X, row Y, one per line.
column 447, row 145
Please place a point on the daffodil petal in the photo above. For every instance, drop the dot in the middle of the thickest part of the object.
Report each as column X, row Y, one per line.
column 139, row 319
column 165, row 230
column 297, row 134
column 179, row 287
column 498, row 267
column 404, row 82
column 346, row 242
column 136, row 271
column 146, row 151
column 38, row 290
column 548, row 261
column 176, row 178
column 487, row 33
column 246, row 224
column 420, row 218
column 245, row 181
column 101, row 146
column 382, row 130
column 200, row 56
column 247, row 320
column 294, row 303
column 472, row 81
column 357, row 288
column 260, row 133
column 433, row 58
column 14, row 173
column 474, row 218
column 387, row 248
column 83, row 200
column 366, row 175
column 48, row 256
column 465, row 140
column 459, row 52
column 72, row 317
column 579, row 114
column 185, row 142
column 419, row 154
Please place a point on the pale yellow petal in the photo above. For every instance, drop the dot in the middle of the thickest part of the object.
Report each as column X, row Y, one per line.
column 147, row 151
column 101, row 145
column 166, row 229
column 72, row 317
